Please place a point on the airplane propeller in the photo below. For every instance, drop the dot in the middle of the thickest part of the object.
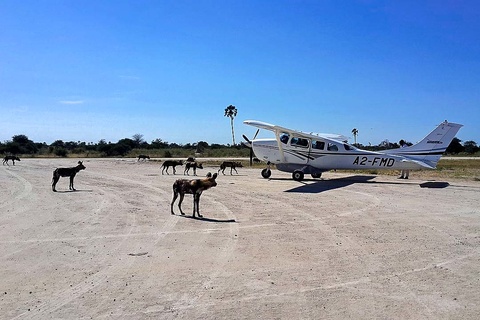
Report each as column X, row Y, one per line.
column 249, row 145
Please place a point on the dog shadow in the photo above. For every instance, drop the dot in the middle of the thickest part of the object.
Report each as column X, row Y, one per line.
column 208, row 219
column 72, row 191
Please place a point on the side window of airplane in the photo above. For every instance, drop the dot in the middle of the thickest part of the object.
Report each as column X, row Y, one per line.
column 320, row 145
column 347, row 147
column 332, row 147
column 284, row 138
column 299, row 142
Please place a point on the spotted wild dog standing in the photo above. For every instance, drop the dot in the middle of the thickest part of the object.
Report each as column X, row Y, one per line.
column 66, row 172
column 171, row 163
column 194, row 165
column 13, row 158
column 232, row 164
column 195, row 187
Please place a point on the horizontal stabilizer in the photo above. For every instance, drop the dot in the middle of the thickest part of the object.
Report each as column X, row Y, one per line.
column 421, row 163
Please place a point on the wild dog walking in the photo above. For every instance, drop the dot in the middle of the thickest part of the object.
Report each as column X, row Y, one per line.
column 13, row 158
column 144, row 157
column 232, row 164
column 66, row 172
column 193, row 165
column 195, row 187
column 171, row 163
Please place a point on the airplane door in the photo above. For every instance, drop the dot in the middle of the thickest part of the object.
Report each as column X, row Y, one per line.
column 300, row 148
column 309, row 158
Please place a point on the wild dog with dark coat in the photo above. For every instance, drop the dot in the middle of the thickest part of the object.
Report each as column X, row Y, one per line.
column 13, row 158
column 193, row 165
column 195, row 187
column 171, row 163
column 231, row 164
column 66, row 172
column 144, row 157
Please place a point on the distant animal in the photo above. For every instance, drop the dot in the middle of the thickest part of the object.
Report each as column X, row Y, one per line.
column 66, row 172
column 171, row 163
column 13, row 158
column 144, row 157
column 232, row 164
column 195, row 187
column 193, row 165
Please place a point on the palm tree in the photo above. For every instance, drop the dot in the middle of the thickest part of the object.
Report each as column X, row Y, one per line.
column 231, row 112
column 355, row 133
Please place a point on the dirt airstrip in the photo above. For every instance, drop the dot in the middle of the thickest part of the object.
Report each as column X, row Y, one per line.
column 350, row 246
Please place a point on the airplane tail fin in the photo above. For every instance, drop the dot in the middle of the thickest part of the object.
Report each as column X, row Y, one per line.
column 430, row 149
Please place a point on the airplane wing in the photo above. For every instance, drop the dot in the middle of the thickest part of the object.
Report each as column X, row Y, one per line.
column 275, row 128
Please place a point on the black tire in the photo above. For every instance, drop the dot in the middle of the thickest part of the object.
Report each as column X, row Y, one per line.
column 266, row 173
column 298, row 175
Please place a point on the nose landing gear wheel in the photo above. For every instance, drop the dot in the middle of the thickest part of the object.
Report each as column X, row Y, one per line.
column 266, row 173
column 297, row 175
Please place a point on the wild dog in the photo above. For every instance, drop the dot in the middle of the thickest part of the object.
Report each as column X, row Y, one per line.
column 13, row 158
column 195, row 187
column 193, row 165
column 144, row 157
column 66, row 172
column 171, row 163
column 232, row 164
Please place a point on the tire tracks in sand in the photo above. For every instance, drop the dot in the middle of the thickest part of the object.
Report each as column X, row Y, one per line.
column 63, row 297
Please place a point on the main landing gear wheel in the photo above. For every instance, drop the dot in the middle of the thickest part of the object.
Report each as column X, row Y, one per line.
column 266, row 173
column 297, row 175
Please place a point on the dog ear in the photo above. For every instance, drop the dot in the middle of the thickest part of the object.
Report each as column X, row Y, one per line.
column 214, row 176
column 209, row 175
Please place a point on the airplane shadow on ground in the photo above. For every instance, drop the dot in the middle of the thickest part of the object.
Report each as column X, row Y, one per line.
column 434, row 184
column 207, row 219
column 332, row 184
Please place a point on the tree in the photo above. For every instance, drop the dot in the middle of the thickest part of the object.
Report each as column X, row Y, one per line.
column 455, row 146
column 138, row 138
column 231, row 112
column 355, row 133
column 21, row 139
column 21, row 144
column 201, row 146
column 58, row 143
column 470, row 147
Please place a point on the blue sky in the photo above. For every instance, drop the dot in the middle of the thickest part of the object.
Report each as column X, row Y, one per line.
column 91, row 70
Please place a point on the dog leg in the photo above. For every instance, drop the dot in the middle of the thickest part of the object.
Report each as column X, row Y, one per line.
column 180, row 203
column 196, row 204
column 175, row 195
column 54, row 183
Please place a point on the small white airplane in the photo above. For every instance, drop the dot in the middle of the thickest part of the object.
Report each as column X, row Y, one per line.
column 309, row 153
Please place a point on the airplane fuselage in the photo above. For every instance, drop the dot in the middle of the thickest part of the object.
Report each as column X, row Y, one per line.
column 334, row 156
column 308, row 153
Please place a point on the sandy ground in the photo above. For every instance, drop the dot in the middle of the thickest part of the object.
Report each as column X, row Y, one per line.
column 347, row 247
